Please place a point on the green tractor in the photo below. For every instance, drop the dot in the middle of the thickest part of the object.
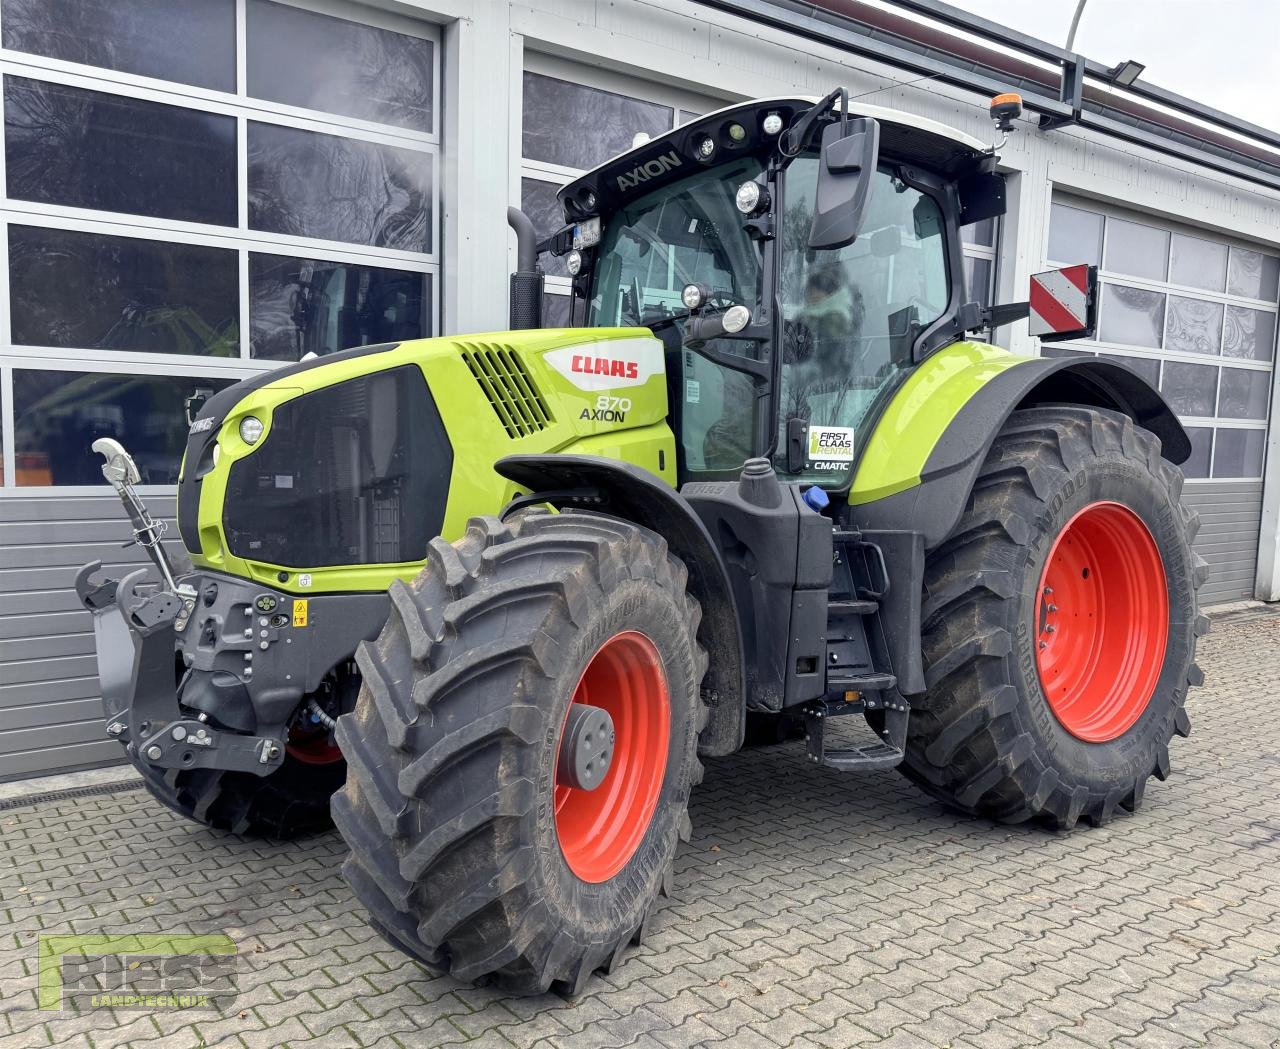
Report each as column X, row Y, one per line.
column 491, row 599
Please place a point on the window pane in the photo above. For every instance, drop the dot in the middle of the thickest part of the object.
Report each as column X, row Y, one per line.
column 1074, row 235
column 1201, row 442
column 1190, row 389
column 320, row 62
column 1253, row 274
column 1239, row 453
column 146, row 37
column 299, row 306
column 686, row 116
column 579, row 126
column 977, row 279
column 538, row 201
column 1146, row 367
column 1064, row 351
column 120, row 293
column 1250, row 334
column 58, row 415
column 1244, row 394
column 311, row 185
column 983, row 233
column 1193, row 325
column 1198, row 263
column 86, row 149
column 1136, row 250
column 1131, row 316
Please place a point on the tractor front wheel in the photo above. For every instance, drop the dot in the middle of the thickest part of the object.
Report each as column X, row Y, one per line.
column 1060, row 625
column 522, row 751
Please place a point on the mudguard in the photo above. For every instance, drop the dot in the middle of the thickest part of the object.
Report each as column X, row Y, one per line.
column 589, row 482
column 920, row 462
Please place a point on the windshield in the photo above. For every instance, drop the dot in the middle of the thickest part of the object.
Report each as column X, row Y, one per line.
column 690, row 232
column 850, row 316
column 686, row 233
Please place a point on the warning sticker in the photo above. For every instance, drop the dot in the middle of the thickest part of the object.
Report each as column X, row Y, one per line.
column 830, row 447
column 299, row 611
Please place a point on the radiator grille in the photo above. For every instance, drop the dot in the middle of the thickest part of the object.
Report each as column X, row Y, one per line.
column 515, row 399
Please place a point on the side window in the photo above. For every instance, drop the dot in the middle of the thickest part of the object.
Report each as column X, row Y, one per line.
column 850, row 316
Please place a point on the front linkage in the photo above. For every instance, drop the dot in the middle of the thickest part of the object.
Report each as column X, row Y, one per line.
column 207, row 671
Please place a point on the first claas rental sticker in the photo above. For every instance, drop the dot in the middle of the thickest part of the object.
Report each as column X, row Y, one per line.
column 831, row 447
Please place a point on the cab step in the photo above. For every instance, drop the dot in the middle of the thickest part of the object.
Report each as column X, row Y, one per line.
column 852, row 608
column 864, row 757
column 837, row 682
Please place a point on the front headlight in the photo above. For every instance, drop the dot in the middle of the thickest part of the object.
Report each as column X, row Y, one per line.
column 251, row 429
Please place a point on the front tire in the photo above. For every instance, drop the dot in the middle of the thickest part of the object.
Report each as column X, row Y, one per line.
column 468, row 850
column 1059, row 625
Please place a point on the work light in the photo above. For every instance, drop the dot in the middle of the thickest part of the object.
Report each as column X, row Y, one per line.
column 250, row 429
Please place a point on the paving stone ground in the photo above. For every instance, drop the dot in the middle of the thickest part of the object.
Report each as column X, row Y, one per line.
column 812, row 909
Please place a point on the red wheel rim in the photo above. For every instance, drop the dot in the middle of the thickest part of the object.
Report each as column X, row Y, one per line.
column 312, row 746
column 600, row 830
column 1102, row 622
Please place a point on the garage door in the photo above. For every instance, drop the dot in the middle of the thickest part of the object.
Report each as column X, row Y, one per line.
column 194, row 191
column 1195, row 314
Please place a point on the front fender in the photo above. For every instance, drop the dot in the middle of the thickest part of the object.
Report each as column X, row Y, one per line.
column 925, row 452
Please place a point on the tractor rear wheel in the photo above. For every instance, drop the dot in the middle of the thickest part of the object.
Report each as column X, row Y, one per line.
column 1059, row 625
column 522, row 750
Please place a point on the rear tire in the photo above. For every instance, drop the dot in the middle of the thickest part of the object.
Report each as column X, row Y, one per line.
column 463, row 849
column 989, row 738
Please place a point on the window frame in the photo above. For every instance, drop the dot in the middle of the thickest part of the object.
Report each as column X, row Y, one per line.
column 244, row 108
column 1099, row 348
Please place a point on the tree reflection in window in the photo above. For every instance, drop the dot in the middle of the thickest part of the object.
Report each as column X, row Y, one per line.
column 306, row 184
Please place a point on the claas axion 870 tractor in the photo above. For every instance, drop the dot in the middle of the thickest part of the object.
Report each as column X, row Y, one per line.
column 499, row 594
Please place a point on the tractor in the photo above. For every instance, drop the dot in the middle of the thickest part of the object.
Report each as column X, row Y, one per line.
column 487, row 601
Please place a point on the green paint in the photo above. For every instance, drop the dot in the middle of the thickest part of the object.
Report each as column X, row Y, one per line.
column 639, row 435
column 920, row 413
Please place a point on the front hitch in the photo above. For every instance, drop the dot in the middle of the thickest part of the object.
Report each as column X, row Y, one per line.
column 135, row 628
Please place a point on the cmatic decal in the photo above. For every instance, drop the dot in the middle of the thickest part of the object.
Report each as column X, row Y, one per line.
column 599, row 366
column 831, row 447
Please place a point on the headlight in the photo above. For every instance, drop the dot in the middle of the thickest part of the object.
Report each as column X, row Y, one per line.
column 747, row 199
column 251, row 429
column 573, row 263
column 691, row 296
column 735, row 319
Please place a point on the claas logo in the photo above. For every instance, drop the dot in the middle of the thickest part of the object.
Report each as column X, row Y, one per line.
column 605, row 366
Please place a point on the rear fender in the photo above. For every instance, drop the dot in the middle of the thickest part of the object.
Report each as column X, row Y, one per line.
column 953, row 432
column 634, row 494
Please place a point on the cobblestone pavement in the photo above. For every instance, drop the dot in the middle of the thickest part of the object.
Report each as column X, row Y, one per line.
column 812, row 908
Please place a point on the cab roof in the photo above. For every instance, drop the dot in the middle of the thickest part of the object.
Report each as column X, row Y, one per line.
column 904, row 137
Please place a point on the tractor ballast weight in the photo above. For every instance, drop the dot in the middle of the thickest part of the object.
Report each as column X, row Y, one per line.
column 498, row 594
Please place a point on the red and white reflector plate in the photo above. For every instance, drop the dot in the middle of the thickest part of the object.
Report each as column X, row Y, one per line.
column 1059, row 301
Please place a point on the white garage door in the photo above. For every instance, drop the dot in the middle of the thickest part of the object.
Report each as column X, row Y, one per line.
column 193, row 191
column 1195, row 314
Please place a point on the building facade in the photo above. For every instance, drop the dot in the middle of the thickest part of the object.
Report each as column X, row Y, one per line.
column 195, row 191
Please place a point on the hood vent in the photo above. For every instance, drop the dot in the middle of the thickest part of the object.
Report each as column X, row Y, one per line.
column 502, row 376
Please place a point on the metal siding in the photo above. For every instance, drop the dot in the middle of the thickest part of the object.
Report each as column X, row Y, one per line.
column 50, row 705
column 1230, row 519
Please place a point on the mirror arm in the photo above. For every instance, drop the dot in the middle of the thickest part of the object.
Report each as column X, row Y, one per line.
column 1004, row 313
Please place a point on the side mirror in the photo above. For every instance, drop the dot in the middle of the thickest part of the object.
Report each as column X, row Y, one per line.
column 846, row 168
column 1064, row 303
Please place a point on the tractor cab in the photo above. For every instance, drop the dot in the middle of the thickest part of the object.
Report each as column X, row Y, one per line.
column 796, row 257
